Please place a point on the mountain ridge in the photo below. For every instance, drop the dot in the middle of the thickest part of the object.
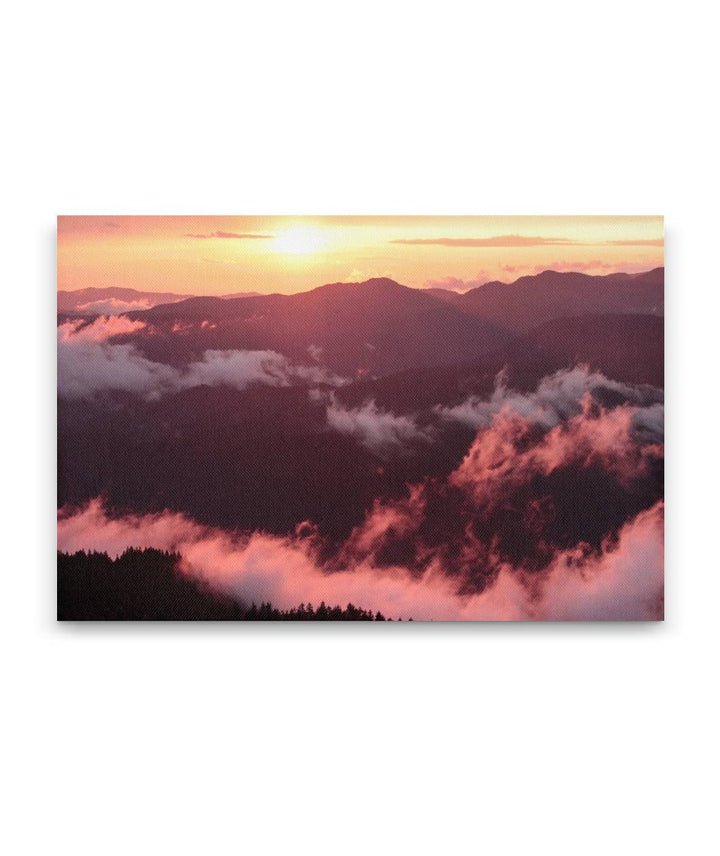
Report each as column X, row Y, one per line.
column 374, row 327
column 530, row 300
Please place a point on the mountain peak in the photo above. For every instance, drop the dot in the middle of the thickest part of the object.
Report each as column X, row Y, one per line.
column 376, row 285
column 381, row 281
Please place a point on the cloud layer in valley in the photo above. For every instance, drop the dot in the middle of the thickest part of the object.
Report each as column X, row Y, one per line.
column 558, row 397
column 483, row 543
column 496, row 536
column 91, row 360
column 507, row 453
column 588, row 396
column 113, row 306
column 624, row 580
column 379, row 430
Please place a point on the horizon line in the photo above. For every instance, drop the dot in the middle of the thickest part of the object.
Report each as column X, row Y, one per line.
column 240, row 294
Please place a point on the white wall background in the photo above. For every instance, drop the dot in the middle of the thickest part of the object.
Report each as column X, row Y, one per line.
column 343, row 740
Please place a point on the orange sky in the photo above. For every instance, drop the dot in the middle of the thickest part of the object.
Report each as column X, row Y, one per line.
column 218, row 255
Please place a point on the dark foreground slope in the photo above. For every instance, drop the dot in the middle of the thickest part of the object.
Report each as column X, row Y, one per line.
column 145, row 585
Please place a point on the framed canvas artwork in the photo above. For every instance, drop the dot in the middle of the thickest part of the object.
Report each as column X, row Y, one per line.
column 360, row 418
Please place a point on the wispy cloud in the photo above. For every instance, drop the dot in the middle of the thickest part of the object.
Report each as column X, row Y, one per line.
column 378, row 430
column 92, row 360
column 496, row 241
column 241, row 235
column 113, row 306
column 454, row 283
column 557, row 398
column 637, row 242
column 509, row 241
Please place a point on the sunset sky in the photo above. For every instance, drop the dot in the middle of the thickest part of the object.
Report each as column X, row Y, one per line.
column 223, row 254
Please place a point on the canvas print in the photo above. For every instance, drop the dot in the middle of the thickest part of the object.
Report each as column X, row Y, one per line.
column 360, row 418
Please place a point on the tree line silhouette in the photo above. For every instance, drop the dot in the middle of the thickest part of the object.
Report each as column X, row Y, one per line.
column 146, row 585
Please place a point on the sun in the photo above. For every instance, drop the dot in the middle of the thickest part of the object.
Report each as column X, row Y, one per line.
column 299, row 242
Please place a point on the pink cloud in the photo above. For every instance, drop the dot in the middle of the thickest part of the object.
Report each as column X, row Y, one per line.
column 239, row 235
column 113, row 306
column 495, row 241
column 100, row 330
column 453, row 283
column 623, row 581
column 504, row 455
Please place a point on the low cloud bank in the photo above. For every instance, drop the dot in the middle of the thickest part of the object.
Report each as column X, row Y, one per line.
column 113, row 306
column 558, row 397
column 606, row 405
column 624, row 580
column 561, row 424
column 553, row 513
column 508, row 454
column 91, row 361
column 499, row 539
column 379, row 430
column 241, row 368
column 99, row 330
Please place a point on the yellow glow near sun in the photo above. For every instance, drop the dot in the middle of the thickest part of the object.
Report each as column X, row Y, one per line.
column 298, row 242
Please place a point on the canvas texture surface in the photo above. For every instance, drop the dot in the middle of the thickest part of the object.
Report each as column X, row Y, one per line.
column 360, row 418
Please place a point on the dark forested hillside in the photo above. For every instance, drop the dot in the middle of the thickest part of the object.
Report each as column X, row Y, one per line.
column 259, row 458
column 627, row 348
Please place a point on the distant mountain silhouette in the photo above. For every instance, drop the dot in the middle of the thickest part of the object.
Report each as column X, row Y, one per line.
column 241, row 294
column 532, row 300
column 374, row 327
